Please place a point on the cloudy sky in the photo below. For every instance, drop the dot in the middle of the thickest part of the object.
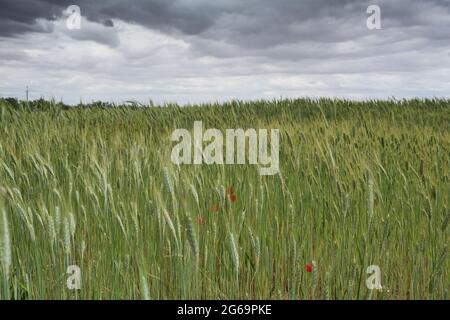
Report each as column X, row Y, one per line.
column 215, row 50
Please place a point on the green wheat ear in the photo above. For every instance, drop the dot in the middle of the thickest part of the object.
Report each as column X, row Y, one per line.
column 5, row 244
column 315, row 276
column 234, row 253
column 145, row 292
column 67, row 240
column 256, row 247
column 168, row 181
column 192, row 237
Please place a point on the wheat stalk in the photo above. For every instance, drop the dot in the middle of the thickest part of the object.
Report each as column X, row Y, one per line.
column 370, row 198
column 327, row 286
column 256, row 248
column 67, row 248
column 171, row 225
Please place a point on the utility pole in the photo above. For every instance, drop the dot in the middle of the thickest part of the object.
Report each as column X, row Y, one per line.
column 27, row 93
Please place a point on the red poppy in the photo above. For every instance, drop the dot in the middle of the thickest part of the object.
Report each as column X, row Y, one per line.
column 233, row 198
column 201, row 220
column 309, row 267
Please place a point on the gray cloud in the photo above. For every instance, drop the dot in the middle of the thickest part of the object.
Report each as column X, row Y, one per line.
column 108, row 23
column 250, row 24
column 17, row 17
column 96, row 32
column 202, row 49
column 251, row 27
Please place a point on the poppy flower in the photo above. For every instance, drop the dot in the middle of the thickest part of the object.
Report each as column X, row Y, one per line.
column 233, row 198
column 201, row 220
column 309, row 267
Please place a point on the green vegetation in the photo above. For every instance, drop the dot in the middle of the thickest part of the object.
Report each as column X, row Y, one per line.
column 360, row 184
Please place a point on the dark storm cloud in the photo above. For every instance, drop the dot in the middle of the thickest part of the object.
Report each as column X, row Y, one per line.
column 267, row 21
column 203, row 49
column 19, row 16
column 284, row 29
column 108, row 23
column 188, row 17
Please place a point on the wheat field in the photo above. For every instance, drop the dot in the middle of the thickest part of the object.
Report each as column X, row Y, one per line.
column 360, row 184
